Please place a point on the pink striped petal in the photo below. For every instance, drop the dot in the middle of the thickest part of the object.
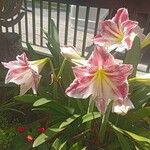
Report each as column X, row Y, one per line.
column 101, row 78
column 110, row 28
column 100, row 57
column 121, row 16
column 101, row 105
column 126, row 44
column 22, row 59
column 79, row 89
column 119, row 73
column 24, row 73
column 129, row 26
column 17, row 76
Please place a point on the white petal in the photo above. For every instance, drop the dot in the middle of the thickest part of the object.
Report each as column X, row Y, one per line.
column 26, row 86
column 37, row 65
column 123, row 108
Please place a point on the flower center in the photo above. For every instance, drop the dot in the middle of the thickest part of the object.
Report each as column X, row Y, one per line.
column 120, row 37
column 100, row 74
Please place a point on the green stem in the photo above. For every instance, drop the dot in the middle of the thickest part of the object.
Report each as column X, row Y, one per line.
column 52, row 68
column 61, row 68
column 55, row 90
column 104, row 123
column 90, row 109
column 91, row 106
column 55, row 94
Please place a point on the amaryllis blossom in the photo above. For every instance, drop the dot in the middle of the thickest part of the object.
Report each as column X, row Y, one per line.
column 115, row 33
column 72, row 54
column 24, row 73
column 102, row 79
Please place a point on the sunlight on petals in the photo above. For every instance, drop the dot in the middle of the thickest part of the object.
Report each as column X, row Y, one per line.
column 24, row 73
column 72, row 54
column 116, row 33
column 101, row 78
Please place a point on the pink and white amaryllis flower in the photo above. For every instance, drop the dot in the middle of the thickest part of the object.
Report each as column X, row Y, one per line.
column 115, row 33
column 24, row 73
column 102, row 79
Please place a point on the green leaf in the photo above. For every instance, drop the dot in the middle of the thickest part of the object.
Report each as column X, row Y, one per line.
column 134, row 55
column 54, row 44
column 27, row 98
column 90, row 116
column 77, row 146
column 142, row 141
column 32, row 52
column 49, row 133
column 53, row 106
column 59, row 144
column 69, row 121
column 136, row 115
column 140, row 98
column 41, row 101
column 54, row 31
column 124, row 142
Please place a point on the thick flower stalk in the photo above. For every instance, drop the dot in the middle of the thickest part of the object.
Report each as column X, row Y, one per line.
column 24, row 73
column 104, row 80
column 116, row 33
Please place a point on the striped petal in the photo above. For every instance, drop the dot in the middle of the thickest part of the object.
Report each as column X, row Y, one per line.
column 121, row 16
column 100, row 57
column 116, row 33
column 24, row 73
column 102, row 79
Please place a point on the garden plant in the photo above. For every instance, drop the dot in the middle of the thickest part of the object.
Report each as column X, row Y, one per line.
column 79, row 103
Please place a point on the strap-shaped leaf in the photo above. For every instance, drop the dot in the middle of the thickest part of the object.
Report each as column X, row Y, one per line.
column 136, row 115
column 140, row 140
column 49, row 133
column 69, row 127
column 133, row 55
column 27, row 98
column 54, row 32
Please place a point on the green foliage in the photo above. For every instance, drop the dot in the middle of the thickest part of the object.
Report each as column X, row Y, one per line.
column 69, row 124
column 134, row 55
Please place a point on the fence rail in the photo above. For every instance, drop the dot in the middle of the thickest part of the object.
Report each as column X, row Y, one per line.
column 137, row 5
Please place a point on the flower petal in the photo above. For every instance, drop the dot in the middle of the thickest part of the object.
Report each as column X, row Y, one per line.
column 119, row 73
column 110, row 28
column 122, row 108
column 18, row 76
column 70, row 52
column 121, row 16
column 37, row 65
column 128, row 26
column 22, row 59
column 35, row 81
column 79, row 89
column 125, row 45
column 100, row 57
column 26, row 86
